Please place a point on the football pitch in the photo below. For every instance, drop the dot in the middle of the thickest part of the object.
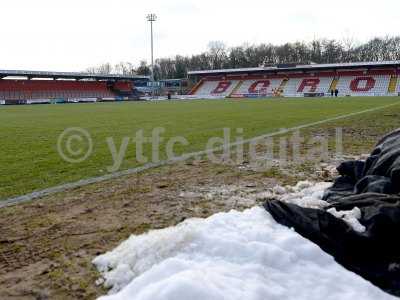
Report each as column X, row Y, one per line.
column 30, row 160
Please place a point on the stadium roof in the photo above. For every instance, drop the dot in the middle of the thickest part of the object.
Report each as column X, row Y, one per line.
column 291, row 67
column 68, row 75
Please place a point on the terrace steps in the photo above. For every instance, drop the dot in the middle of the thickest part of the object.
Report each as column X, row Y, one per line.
column 196, row 87
column 237, row 87
column 334, row 84
column 393, row 84
column 281, row 88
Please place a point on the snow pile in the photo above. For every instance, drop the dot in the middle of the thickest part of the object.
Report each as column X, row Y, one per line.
column 305, row 194
column 235, row 195
column 235, row 255
column 351, row 217
column 309, row 195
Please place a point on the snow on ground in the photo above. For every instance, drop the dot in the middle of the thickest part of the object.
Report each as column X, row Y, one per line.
column 235, row 255
column 351, row 217
column 309, row 195
column 305, row 193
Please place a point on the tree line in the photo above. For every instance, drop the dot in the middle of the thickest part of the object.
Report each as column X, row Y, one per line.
column 218, row 56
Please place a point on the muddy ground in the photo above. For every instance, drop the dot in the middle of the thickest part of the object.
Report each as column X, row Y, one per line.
column 46, row 246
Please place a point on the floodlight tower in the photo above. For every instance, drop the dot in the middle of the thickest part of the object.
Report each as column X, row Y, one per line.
column 152, row 18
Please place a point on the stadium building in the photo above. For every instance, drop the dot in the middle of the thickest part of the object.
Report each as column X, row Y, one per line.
column 284, row 80
column 36, row 87
column 290, row 80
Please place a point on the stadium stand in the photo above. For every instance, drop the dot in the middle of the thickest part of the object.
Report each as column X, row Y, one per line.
column 359, row 84
column 257, row 87
column 296, row 87
column 46, row 89
column 216, row 88
column 351, row 79
column 288, row 80
column 38, row 88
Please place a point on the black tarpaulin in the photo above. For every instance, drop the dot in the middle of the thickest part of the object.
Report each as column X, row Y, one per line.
column 373, row 186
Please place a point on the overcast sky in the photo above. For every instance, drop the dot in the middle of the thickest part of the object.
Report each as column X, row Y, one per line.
column 71, row 35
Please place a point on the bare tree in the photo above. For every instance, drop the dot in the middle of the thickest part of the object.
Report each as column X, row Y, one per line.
column 143, row 69
column 103, row 69
column 219, row 56
column 124, row 68
column 217, row 52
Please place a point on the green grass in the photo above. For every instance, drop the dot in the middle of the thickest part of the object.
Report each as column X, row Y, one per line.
column 28, row 154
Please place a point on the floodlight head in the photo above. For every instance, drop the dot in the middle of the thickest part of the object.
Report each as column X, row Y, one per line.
column 151, row 17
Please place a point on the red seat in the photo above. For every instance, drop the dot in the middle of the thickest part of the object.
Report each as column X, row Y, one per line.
column 53, row 89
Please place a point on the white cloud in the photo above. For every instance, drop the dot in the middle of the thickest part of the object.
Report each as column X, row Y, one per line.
column 71, row 35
